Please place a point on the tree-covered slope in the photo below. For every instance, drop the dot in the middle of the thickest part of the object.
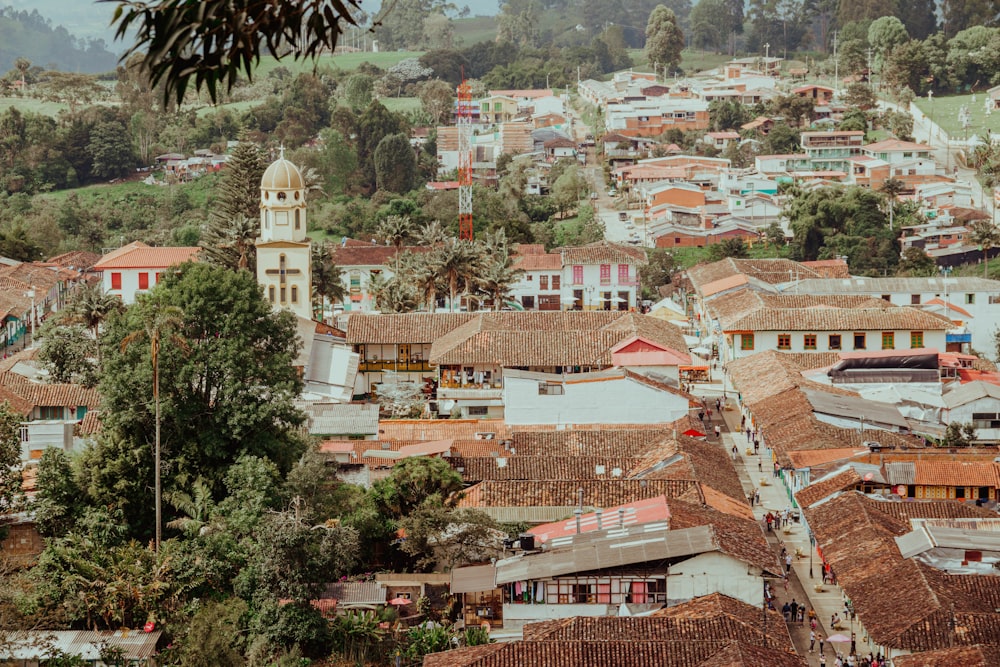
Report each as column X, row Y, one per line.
column 30, row 35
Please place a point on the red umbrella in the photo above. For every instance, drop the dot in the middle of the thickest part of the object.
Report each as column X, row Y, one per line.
column 401, row 601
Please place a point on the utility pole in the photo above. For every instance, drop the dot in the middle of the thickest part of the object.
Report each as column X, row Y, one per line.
column 870, row 67
column 767, row 50
column 836, row 64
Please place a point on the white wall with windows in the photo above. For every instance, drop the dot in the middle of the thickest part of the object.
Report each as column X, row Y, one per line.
column 739, row 345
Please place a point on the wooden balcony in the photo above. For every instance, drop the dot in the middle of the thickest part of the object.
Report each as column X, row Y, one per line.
column 383, row 365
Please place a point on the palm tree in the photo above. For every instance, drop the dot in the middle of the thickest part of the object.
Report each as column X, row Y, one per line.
column 421, row 271
column 496, row 277
column 432, row 234
column 327, row 278
column 395, row 296
column 90, row 307
column 159, row 320
column 458, row 264
column 892, row 187
column 197, row 507
column 396, row 229
column 986, row 236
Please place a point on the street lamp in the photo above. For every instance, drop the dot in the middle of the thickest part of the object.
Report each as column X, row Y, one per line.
column 812, row 547
column 589, row 289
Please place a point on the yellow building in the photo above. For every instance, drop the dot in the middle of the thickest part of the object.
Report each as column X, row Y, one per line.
column 284, row 263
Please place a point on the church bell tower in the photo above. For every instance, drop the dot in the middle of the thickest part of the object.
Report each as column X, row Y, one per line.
column 284, row 258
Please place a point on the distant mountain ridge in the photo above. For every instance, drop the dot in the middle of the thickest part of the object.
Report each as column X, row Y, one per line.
column 29, row 34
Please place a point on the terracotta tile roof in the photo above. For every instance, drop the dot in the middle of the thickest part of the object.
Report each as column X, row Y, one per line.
column 931, row 609
column 931, row 509
column 370, row 255
column 740, row 537
column 12, row 299
column 887, row 145
column 829, row 268
column 415, row 430
column 839, row 319
column 81, row 260
column 538, row 262
column 771, row 271
column 564, row 493
column 569, row 338
column 855, row 539
column 688, row 458
column 56, row 395
column 713, row 617
column 389, row 329
column 138, row 255
column 602, row 252
column 685, row 652
column 29, row 354
column 967, row 656
column 770, row 373
column 16, row 403
column 809, row 459
column 817, row 491
column 956, row 473
column 36, row 276
column 731, row 308
column 625, row 443
column 91, row 423
column 504, row 466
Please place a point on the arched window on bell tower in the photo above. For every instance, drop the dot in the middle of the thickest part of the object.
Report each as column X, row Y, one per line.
column 298, row 223
column 282, row 273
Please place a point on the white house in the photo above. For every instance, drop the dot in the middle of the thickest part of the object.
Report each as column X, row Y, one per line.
column 976, row 403
column 601, row 276
column 540, row 285
column 582, row 398
column 830, row 329
column 979, row 296
column 136, row 268
column 896, row 152
column 363, row 265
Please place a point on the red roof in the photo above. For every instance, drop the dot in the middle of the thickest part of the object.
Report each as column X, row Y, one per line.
column 442, row 185
column 138, row 255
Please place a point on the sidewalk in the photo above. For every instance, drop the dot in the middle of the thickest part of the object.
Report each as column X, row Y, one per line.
column 774, row 497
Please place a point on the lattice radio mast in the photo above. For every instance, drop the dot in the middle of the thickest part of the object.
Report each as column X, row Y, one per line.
column 464, row 122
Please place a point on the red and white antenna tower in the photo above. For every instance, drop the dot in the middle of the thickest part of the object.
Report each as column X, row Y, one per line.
column 464, row 122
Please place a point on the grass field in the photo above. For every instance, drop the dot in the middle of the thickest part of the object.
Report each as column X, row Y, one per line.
column 692, row 60
column 945, row 110
column 346, row 61
column 32, row 105
column 236, row 107
column 198, row 191
column 402, row 104
column 475, row 29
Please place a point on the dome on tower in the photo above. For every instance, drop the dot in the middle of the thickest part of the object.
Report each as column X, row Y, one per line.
column 282, row 175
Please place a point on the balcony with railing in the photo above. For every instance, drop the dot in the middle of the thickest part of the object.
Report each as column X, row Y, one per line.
column 395, row 365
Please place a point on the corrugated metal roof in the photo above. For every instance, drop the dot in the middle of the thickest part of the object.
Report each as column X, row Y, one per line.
column 615, row 548
column 343, row 419
column 36, row 644
column 902, row 472
column 851, row 407
column 356, row 593
column 473, row 578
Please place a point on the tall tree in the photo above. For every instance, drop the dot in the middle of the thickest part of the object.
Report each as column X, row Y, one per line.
column 90, row 307
column 110, row 150
column 160, row 320
column 373, row 125
column 664, row 39
column 395, row 164
column 458, row 264
column 397, row 230
column 919, row 17
column 234, row 221
column 958, row 15
column 327, row 278
column 231, row 393
column 10, row 460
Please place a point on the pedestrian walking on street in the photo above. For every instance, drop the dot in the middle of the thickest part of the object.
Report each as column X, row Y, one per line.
column 748, row 434
column 734, row 446
column 822, row 639
column 760, row 466
column 777, row 468
column 822, row 658
column 788, row 563
column 756, row 496
column 701, row 416
column 812, row 640
column 756, row 446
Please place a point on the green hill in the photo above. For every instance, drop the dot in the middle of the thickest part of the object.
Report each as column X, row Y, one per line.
column 30, row 35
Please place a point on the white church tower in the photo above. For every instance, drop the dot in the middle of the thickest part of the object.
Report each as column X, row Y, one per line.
column 284, row 260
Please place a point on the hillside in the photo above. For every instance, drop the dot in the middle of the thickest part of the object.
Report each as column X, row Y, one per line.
column 30, row 35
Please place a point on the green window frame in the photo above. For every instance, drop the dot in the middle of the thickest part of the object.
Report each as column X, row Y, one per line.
column 888, row 340
column 916, row 339
column 746, row 341
column 809, row 341
column 784, row 341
